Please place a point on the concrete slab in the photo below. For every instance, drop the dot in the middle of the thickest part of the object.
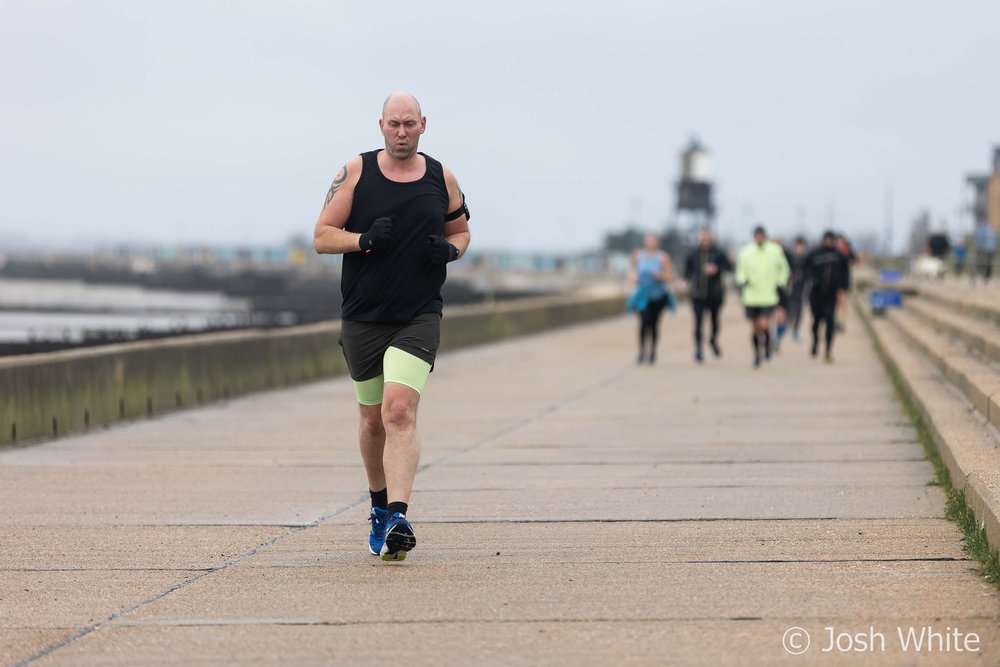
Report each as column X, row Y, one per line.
column 557, row 432
column 116, row 547
column 608, row 542
column 977, row 332
column 651, row 453
column 75, row 598
column 426, row 590
column 657, row 504
column 994, row 410
column 983, row 495
column 18, row 643
column 234, row 457
column 164, row 495
column 469, row 477
column 482, row 642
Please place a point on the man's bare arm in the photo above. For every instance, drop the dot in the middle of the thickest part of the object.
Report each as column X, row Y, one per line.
column 456, row 231
column 329, row 237
column 337, row 182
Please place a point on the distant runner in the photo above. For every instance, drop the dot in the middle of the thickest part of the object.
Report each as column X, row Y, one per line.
column 760, row 270
column 703, row 272
column 796, row 293
column 827, row 270
column 651, row 271
column 845, row 248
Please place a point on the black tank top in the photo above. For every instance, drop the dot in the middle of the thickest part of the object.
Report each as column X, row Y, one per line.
column 397, row 283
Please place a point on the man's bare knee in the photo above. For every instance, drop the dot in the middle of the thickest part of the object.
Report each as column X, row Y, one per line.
column 371, row 420
column 399, row 411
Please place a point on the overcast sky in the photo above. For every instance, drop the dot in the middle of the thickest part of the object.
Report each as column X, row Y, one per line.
column 224, row 122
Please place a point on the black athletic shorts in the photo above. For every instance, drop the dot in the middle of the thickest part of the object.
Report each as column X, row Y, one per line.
column 365, row 343
column 754, row 312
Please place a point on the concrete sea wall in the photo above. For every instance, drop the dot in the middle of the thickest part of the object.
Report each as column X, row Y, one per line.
column 52, row 394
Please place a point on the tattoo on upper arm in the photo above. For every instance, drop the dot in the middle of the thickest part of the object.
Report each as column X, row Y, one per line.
column 337, row 182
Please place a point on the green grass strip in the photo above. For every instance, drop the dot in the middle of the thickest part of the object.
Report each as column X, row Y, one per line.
column 975, row 544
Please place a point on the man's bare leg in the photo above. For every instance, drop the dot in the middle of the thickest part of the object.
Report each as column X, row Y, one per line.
column 400, row 458
column 371, row 435
column 401, row 454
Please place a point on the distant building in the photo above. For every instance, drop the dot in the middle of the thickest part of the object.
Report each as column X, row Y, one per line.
column 694, row 189
column 986, row 195
column 993, row 193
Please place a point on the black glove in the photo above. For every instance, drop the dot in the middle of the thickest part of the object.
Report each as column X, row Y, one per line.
column 441, row 252
column 378, row 235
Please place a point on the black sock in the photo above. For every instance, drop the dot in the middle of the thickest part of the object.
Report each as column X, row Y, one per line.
column 767, row 339
column 755, row 343
column 396, row 506
column 379, row 498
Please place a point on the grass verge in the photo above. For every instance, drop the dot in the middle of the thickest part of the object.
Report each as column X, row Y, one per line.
column 975, row 544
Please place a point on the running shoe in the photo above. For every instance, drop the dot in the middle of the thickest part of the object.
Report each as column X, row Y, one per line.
column 698, row 356
column 715, row 348
column 376, row 539
column 828, row 358
column 399, row 538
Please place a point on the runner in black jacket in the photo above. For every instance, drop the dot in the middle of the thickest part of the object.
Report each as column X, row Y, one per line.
column 797, row 285
column 703, row 271
column 826, row 269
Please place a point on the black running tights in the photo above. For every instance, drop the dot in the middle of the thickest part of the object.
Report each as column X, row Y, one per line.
column 649, row 323
column 824, row 309
column 795, row 308
column 700, row 305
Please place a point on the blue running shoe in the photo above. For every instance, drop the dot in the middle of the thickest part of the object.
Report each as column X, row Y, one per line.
column 376, row 539
column 399, row 538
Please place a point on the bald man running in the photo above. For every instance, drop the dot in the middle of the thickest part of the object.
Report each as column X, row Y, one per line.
column 398, row 217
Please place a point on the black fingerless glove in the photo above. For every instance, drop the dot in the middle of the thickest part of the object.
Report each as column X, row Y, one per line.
column 378, row 235
column 441, row 252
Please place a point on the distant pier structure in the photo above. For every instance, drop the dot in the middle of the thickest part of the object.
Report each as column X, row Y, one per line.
column 695, row 189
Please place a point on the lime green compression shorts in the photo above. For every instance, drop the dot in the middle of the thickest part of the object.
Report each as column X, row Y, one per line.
column 399, row 367
column 380, row 352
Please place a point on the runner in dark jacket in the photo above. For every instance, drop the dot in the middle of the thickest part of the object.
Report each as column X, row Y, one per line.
column 826, row 269
column 703, row 272
column 797, row 285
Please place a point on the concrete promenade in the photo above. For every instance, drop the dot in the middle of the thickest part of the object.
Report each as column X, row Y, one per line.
column 574, row 508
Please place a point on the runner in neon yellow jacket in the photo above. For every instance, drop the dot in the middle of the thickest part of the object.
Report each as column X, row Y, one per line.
column 761, row 269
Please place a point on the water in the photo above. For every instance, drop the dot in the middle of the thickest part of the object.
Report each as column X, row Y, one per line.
column 73, row 312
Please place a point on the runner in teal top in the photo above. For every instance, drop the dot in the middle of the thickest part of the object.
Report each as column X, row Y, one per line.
column 650, row 271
